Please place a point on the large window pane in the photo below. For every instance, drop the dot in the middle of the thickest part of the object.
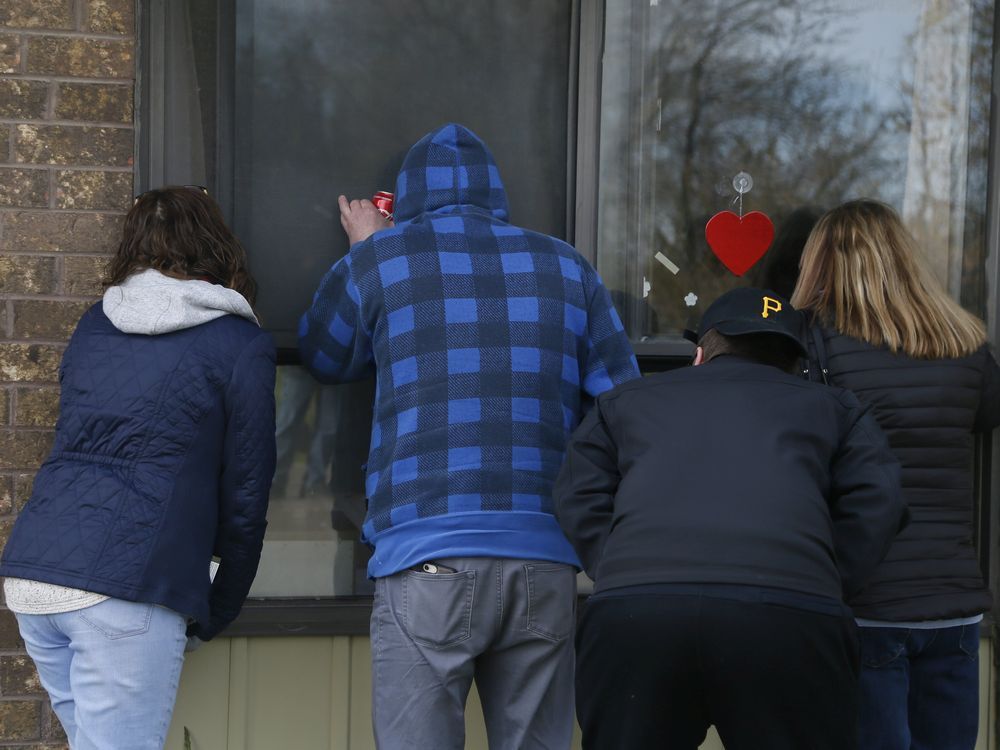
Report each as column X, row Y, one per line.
column 820, row 101
column 279, row 106
column 328, row 98
column 313, row 546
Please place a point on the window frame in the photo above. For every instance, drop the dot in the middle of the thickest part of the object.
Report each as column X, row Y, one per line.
column 987, row 508
column 270, row 616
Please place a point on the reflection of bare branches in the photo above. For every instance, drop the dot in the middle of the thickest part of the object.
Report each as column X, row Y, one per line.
column 755, row 92
column 760, row 85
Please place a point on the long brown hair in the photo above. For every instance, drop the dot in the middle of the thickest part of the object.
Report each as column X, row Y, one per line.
column 180, row 232
column 861, row 274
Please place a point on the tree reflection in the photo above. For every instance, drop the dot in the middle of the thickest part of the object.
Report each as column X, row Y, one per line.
column 782, row 89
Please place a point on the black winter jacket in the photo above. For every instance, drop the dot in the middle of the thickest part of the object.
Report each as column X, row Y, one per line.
column 732, row 472
column 930, row 411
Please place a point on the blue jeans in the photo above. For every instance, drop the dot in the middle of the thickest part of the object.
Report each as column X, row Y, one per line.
column 919, row 688
column 111, row 671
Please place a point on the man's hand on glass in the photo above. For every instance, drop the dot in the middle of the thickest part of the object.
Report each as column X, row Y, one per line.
column 361, row 219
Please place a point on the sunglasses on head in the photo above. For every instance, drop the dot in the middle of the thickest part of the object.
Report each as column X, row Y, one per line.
column 199, row 188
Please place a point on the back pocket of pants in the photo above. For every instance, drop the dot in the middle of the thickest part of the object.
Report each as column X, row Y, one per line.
column 437, row 607
column 117, row 618
column 968, row 641
column 881, row 646
column 551, row 599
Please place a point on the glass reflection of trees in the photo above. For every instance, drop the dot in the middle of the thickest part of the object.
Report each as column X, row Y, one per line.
column 818, row 106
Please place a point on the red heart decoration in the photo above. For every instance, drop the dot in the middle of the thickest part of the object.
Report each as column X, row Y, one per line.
column 739, row 243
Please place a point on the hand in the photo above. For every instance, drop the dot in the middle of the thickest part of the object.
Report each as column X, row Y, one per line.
column 193, row 644
column 361, row 219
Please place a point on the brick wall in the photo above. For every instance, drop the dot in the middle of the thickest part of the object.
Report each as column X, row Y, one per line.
column 66, row 85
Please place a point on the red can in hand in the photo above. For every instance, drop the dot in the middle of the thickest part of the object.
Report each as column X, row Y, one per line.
column 383, row 202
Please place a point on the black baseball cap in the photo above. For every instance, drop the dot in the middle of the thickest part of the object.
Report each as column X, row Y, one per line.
column 750, row 310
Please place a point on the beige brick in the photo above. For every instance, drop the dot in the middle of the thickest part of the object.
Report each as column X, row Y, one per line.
column 52, row 232
column 97, row 190
column 23, row 100
column 18, row 676
column 10, row 636
column 6, row 503
column 29, row 363
column 23, row 485
column 19, row 720
column 6, row 524
column 52, row 730
column 52, row 320
column 21, row 274
column 84, row 276
column 80, row 57
column 23, row 187
column 23, row 449
column 37, row 407
column 111, row 16
column 37, row 14
column 94, row 102
column 10, row 53
column 69, row 144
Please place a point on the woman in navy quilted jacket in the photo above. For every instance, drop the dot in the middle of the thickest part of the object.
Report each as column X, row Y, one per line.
column 890, row 333
column 163, row 458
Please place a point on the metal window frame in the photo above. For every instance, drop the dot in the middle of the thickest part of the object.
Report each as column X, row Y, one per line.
column 988, row 447
column 271, row 616
column 988, row 453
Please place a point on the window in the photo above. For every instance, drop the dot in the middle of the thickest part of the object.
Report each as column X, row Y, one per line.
column 820, row 101
column 618, row 124
column 280, row 106
column 330, row 96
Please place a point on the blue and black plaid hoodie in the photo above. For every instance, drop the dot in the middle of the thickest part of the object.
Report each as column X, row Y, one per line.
column 486, row 339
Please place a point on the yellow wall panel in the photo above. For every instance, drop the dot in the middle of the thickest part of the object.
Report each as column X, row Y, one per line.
column 289, row 696
column 315, row 694
column 361, row 694
column 340, row 694
column 203, row 699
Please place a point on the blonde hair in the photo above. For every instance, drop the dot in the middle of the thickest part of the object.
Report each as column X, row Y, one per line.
column 861, row 275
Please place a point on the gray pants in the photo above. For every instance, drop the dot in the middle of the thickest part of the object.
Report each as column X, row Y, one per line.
column 507, row 623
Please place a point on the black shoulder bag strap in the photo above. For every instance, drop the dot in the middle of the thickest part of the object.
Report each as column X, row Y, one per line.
column 824, row 371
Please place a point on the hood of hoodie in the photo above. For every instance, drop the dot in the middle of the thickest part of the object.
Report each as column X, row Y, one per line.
column 151, row 303
column 447, row 169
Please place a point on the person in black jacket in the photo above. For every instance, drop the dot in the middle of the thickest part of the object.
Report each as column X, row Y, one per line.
column 890, row 333
column 724, row 511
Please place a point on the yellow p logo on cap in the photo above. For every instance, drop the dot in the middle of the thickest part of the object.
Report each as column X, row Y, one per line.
column 770, row 305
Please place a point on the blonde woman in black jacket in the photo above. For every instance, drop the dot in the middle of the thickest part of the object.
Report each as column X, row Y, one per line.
column 889, row 332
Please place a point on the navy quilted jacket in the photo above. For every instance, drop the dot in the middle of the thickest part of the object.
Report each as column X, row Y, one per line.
column 930, row 410
column 486, row 338
column 163, row 457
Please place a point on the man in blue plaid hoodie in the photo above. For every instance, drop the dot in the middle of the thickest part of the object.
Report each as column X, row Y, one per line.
column 486, row 340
